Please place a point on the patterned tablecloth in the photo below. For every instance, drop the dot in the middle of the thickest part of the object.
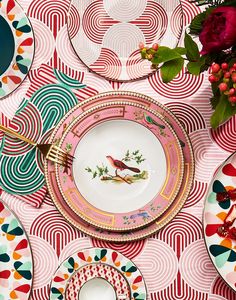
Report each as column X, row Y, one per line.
column 174, row 261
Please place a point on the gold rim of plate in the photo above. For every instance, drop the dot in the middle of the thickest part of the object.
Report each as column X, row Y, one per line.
column 153, row 218
column 176, row 206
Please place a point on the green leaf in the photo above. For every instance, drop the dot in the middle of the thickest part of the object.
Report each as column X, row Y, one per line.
column 215, row 89
column 171, row 69
column 214, row 101
column 165, row 54
column 192, row 48
column 232, row 61
column 222, row 112
column 180, row 50
column 194, row 67
column 196, row 24
column 229, row 3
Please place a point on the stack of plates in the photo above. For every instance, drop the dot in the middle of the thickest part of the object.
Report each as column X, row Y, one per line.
column 98, row 273
column 133, row 166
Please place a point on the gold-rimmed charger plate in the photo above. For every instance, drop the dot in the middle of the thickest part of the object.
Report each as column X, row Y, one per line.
column 71, row 217
column 128, row 166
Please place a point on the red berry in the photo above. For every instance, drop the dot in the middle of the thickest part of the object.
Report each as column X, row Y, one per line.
column 223, row 87
column 231, row 70
column 155, row 46
column 212, row 78
column 232, row 99
column 231, row 92
column 215, row 68
column 233, row 76
column 234, row 65
column 227, row 75
column 224, row 66
column 141, row 45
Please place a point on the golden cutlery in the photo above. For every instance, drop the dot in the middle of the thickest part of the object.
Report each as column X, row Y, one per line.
column 49, row 151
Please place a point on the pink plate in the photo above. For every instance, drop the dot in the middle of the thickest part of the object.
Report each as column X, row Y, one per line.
column 106, row 34
column 119, row 269
column 91, row 271
column 166, row 217
column 128, row 166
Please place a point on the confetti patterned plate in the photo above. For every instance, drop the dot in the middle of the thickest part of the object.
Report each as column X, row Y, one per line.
column 16, row 267
column 92, row 271
column 128, row 166
column 71, row 217
column 106, row 34
column 89, row 256
column 222, row 249
column 17, row 46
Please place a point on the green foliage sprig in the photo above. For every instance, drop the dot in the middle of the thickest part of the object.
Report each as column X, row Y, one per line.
column 171, row 62
column 135, row 155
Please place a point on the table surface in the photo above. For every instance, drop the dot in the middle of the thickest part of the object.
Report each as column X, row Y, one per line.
column 174, row 261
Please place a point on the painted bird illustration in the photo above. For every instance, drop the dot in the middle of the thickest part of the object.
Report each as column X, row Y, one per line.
column 119, row 165
column 150, row 120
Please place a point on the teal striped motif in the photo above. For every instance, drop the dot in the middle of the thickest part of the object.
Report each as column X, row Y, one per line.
column 68, row 81
column 53, row 102
column 22, row 174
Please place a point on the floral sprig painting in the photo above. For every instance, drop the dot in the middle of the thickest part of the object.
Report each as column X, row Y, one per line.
column 120, row 170
column 215, row 29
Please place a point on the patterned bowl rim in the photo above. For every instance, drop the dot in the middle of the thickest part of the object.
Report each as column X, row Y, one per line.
column 101, row 264
column 98, row 248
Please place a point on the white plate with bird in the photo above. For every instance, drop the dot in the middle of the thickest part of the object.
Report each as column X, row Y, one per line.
column 128, row 166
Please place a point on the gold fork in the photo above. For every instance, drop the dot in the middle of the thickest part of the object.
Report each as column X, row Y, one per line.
column 49, row 151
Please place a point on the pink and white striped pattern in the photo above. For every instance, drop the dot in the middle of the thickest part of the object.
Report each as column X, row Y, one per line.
column 105, row 34
column 183, row 236
column 131, row 250
column 182, row 86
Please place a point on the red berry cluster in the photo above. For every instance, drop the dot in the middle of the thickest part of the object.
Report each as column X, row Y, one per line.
column 226, row 75
column 142, row 46
column 149, row 53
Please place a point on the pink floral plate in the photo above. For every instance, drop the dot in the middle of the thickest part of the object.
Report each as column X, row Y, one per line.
column 220, row 221
column 100, row 271
column 83, row 261
column 128, row 166
column 166, row 217
column 106, row 34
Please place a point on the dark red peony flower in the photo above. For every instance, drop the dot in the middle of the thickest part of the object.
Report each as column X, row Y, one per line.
column 219, row 30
